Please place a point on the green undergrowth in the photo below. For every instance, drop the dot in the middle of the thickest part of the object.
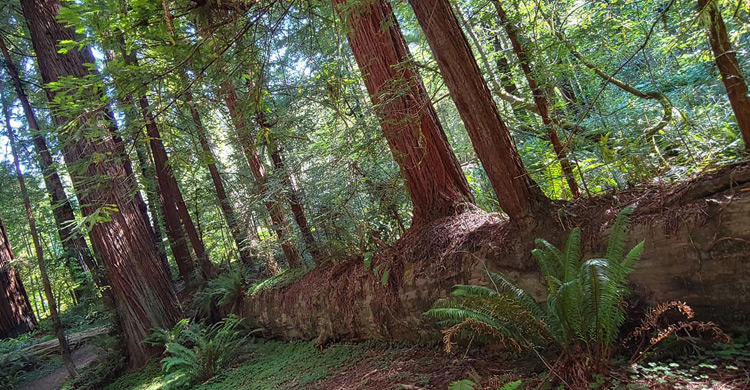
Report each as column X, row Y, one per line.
column 273, row 365
column 281, row 280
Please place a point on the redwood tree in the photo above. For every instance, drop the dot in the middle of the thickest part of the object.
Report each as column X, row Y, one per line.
column 433, row 176
column 16, row 317
column 144, row 297
column 729, row 67
column 516, row 191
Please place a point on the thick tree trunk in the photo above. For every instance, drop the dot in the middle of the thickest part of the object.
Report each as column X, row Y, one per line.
column 168, row 186
column 16, row 317
column 235, row 227
column 281, row 226
column 697, row 250
column 517, row 193
column 144, row 297
column 54, row 315
column 540, row 99
column 73, row 242
column 729, row 67
column 436, row 184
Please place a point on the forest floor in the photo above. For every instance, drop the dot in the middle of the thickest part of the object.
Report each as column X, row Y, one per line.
column 375, row 366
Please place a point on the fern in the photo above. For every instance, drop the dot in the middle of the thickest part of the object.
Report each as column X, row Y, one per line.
column 199, row 352
column 584, row 307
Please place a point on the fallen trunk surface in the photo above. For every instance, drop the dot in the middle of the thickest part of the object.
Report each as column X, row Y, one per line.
column 697, row 249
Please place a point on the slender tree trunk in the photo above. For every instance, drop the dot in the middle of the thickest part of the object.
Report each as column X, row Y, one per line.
column 276, row 151
column 152, row 196
column 281, row 226
column 516, row 191
column 56, row 323
column 436, row 184
column 540, row 99
column 72, row 241
column 144, row 297
column 729, row 67
column 169, row 188
column 235, row 228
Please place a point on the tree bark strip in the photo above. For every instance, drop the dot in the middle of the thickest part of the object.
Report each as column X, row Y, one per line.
column 436, row 184
column 517, row 193
column 731, row 73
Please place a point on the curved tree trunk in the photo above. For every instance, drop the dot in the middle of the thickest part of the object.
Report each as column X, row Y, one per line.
column 144, row 297
column 729, row 67
column 517, row 193
column 436, row 184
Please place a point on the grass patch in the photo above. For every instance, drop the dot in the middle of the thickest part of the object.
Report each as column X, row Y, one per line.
column 281, row 280
column 273, row 365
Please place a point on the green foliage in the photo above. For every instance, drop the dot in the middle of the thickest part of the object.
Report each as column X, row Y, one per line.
column 272, row 365
column 225, row 291
column 279, row 281
column 197, row 353
column 584, row 307
column 111, row 361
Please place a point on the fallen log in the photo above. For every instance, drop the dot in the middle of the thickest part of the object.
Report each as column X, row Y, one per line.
column 697, row 249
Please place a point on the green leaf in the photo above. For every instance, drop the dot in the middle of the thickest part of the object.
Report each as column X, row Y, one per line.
column 463, row 384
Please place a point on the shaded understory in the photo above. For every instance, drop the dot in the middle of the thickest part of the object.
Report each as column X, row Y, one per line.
column 300, row 365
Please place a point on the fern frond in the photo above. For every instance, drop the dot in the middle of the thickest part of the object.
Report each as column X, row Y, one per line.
column 618, row 235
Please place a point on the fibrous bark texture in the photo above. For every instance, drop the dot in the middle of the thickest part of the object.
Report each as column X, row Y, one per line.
column 729, row 67
column 16, row 317
column 433, row 176
column 517, row 193
column 143, row 295
column 697, row 250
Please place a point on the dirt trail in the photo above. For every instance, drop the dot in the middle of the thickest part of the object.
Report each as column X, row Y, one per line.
column 82, row 357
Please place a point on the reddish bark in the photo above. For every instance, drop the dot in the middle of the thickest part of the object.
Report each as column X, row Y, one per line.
column 281, row 226
column 235, row 227
column 16, row 317
column 516, row 191
column 436, row 184
column 540, row 99
column 144, row 297
column 175, row 208
column 729, row 67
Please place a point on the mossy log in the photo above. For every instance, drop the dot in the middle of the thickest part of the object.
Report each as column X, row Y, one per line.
column 697, row 249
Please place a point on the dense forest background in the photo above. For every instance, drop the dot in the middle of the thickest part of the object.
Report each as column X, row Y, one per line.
column 246, row 136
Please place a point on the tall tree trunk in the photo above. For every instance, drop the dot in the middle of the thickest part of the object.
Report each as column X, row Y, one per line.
column 73, row 242
column 16, row 317
column 144, row 297
column 281, row 226
column 55, row 316
column 436, row 184
column 540, row 99
column 176, row 217
column 235, row 228
column 729, row 67
column 275, row 151
column 148, row 176
column 516, row 191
